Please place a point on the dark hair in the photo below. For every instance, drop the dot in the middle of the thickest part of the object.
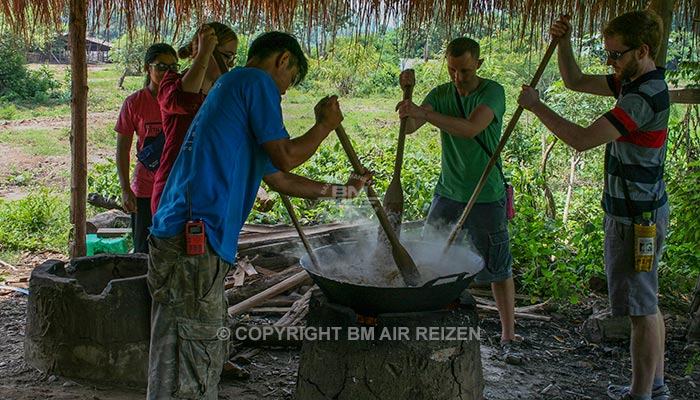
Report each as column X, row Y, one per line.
column 153, row 52
column 462, row 45
column 271, row 43
column 637, row 28
column 223, row 34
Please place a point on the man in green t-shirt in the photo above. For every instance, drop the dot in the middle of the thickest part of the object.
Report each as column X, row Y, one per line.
column 469, row 113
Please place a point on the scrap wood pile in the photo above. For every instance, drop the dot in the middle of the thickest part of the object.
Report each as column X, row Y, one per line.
column 267, row 280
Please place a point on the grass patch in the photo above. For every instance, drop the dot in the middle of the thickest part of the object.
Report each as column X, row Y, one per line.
column 38, row 142
column 37, row 222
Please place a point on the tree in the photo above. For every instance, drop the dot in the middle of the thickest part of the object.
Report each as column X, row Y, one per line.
column 128, row 52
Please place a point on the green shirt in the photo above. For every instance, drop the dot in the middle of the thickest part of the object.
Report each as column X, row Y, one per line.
column 464, row 160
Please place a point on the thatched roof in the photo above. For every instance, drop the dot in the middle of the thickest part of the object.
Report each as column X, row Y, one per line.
column 366, row 15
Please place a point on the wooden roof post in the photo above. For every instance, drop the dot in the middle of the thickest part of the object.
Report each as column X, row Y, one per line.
column 78, row 137
column 665, row 10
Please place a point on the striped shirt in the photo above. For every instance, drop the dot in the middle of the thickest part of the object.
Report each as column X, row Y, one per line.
column 636, row 159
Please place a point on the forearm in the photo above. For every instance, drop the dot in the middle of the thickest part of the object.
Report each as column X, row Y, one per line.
column 570, row 133
column 454, row 126
column 299, row 186
column 192, row 80
column 287, row 154
column 568, row 68
column 123, row 161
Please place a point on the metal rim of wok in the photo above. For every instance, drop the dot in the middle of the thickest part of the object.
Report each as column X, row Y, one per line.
column 435, row 294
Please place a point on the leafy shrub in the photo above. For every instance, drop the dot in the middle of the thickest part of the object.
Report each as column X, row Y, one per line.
column 39, row 221
column 17, row 83
column 103, row 179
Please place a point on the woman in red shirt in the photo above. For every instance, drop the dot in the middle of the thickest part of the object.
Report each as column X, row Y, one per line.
column 140, row 113
column 213, row 52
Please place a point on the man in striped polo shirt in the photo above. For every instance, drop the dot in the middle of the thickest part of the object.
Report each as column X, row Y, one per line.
column 634, row 133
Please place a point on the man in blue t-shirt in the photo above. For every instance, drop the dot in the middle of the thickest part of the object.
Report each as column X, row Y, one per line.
column 236, row 140
column 635, row 135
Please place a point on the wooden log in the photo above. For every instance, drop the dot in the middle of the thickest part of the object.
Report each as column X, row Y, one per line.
column 238, row 294
column 78, row 136
column 381, row 364
column 298, row 279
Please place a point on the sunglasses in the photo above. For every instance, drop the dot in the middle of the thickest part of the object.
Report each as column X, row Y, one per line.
column 615, row 55
column 164, row 67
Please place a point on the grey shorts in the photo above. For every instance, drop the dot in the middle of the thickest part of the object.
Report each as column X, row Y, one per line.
column 631, row 292
column 485, row 230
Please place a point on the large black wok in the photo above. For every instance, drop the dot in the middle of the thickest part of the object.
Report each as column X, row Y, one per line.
column 351, row 275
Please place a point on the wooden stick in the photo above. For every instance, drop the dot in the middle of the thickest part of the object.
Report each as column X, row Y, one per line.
column 499, row 148
column 403, row 259
column 297, row 225
column 8, row 265
column 393, row 197
column 295, row 280
column 525, row 309
column 480, row 292
column 521, row 315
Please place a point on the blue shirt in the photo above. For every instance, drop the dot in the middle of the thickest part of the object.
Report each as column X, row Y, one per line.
column 222, row 160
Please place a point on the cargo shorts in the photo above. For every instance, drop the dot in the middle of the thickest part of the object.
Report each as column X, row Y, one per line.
column 486, row 231
column 630, row 292
column 189, row 337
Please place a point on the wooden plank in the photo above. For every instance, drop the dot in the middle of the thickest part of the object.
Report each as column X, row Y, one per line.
column 238, row 277
column 684, row 96
column 280, row 236
column 295, row 280
column 112, row 232
column 259, row 228
column 247, row 266
column 269, row 310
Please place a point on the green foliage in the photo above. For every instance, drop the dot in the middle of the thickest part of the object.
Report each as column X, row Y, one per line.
column 688, row 73
column 552, row 259
column 103, row 179
column 682, row 256
column 356, row 68
column 19, row 84
column 38, row 222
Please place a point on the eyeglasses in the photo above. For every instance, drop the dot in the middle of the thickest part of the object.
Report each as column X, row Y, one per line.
column 615, row 55
column 164, row 67
column 229, row 58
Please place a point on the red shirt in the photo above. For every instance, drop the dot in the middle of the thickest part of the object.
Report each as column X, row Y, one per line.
column 178, row 109
column 141, row 114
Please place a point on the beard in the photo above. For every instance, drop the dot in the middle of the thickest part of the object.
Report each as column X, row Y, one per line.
column 628, row 70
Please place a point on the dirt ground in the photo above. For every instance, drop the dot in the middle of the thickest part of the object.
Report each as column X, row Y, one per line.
column 561, row 363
